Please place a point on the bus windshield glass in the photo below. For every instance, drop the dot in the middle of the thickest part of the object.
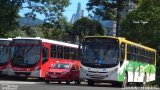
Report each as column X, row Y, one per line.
column 25, row 55
column 3, row 54
column 100, row 54
column 4, row 48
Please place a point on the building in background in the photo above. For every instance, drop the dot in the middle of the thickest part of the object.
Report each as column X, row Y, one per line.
column 108, row 25
column 77, row 15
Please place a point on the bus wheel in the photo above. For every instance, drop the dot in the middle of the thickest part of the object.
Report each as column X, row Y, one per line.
column 125, row 81
column 144, row 80
column 47, row 81
column 90, row 83
column 59, row 82
column 77, row 82
column 117, row 84
column 69, row 80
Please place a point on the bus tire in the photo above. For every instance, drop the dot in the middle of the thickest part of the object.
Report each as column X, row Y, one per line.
column 125, row 81
column 77, row 82
column 59, row 82
column 144, row 80
column 90, row 83
column 46, row 81
column 117, row 84
column 68, row 80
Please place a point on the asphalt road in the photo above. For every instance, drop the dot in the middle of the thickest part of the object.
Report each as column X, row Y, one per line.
column 40, row 85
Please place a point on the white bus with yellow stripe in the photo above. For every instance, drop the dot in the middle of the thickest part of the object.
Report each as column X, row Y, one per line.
column 115, row 59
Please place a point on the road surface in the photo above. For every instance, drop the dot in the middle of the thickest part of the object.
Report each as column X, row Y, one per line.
column 13, row 84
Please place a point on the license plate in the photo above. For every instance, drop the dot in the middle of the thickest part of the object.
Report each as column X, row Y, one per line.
column 97, row 75
column 53, row 76
column 22, row 75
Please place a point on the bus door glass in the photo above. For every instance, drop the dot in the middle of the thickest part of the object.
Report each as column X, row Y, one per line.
column 3, row 54
column 122, row 53
column 44, row 55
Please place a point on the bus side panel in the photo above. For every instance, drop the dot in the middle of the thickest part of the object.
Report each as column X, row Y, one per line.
column 136, row 71
column 150, row 71
column 122, row 69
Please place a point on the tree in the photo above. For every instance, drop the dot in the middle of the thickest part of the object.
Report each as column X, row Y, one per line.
column 58, row 31
column 144, row 33
column 86, row 27
column 51, row 9
column 8, row 15
column 47, row 30
column 15, row 33
column 33, row 31
column 107, row 9
column 25, row 31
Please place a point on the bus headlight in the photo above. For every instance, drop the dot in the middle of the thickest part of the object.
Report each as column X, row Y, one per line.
column 82, row 70
column 112, row 72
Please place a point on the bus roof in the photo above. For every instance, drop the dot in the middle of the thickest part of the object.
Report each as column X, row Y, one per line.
column 122, row 39
column 50, row 41
column 7, row 39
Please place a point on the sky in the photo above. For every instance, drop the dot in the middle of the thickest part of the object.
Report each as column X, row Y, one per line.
column 72, row 8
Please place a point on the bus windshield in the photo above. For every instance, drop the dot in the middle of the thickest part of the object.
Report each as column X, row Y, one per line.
column 3, row 54
column 99, row 54
column 25, row 55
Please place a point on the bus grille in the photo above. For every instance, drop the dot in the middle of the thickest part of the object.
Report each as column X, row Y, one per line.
column 24, row 73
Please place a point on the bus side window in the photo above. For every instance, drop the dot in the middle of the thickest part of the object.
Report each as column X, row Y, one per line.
column 153, row 57
column 150, row 57
column 146, row 56
column 73, row 53
column 44, row 55
column 66, row 52
column 53, row 51
column 122, row 51
column 60, row 52
column 77, row 54
column 128, row 52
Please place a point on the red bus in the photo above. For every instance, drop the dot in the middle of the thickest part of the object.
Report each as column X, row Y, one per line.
column 4, row 54
column 31, row 57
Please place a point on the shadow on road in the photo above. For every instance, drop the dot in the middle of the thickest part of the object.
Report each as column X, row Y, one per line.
column 13, row 78
column 83, row 84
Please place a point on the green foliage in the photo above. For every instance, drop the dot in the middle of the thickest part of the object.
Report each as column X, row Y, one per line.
column 145, row 33
column 15, row 33
column 8, row 15
column 58, row 31
column 105, row 8
column 25, row 31
column 51, row 9
column 86, row 27
column 33, row 31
